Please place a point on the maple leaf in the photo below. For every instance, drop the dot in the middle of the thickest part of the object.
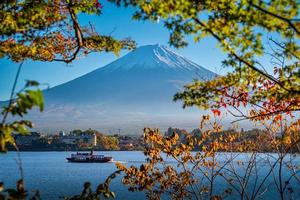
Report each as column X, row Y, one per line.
column 216, row 112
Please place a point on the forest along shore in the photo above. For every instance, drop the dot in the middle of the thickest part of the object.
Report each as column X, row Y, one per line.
column 86, row 140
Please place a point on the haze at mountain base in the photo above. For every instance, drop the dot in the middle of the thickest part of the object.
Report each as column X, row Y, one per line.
column 130, row 93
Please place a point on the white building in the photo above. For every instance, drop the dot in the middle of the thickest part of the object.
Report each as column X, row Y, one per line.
column 61, row 133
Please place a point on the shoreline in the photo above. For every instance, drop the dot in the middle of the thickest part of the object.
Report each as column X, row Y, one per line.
column 135, row 150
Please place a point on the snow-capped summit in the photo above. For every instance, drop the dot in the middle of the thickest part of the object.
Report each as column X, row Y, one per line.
column 147, row 70
column 134, row 91
column 153, row 56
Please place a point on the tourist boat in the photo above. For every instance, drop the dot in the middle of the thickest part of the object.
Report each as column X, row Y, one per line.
column 89, row 158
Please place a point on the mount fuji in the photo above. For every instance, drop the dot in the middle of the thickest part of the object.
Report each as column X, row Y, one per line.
column 134, row 91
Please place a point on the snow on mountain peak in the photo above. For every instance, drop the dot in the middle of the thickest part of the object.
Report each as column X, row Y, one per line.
column 143, row 81
column 153, row 56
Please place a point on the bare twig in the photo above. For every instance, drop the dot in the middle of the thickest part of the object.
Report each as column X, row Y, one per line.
column 11, row 99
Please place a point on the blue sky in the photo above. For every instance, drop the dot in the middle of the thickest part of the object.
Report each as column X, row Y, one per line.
column 119, row 21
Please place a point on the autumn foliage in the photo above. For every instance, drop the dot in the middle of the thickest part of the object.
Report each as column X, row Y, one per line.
column 248, row 31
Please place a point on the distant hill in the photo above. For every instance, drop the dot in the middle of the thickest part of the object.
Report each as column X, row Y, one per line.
column 129, row 93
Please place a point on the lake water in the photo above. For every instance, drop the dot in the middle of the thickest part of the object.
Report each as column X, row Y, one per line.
column 54, row 177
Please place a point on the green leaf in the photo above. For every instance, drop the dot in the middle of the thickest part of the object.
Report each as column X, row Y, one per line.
column 31, row 83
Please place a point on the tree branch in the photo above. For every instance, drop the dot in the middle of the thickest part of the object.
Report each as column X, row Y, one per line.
column 234, row 54
column 267, row 114
column 78, row 35
column 11, row 98
column 288, row 21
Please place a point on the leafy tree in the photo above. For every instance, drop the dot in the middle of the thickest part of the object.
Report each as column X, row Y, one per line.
column 247, row 30
column 50, row 31
column 77, row 132
column 108, row 142
column 19, row 105
column 45, row 31
column 241, row 29
column 198, row 175
column 91, row 131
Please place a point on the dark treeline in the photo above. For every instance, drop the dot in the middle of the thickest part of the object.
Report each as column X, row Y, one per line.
column 86, row 140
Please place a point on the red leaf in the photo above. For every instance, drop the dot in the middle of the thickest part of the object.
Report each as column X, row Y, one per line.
column 216, row 112
column 98, row 5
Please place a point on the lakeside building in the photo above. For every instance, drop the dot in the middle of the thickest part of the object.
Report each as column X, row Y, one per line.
column 28, row 139
column 129, row 142
column 61, row 133
column 88, row 139
column 33, row 138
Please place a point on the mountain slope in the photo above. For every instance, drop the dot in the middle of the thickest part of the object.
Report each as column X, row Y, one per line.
column 135, row 90
column 148, row 71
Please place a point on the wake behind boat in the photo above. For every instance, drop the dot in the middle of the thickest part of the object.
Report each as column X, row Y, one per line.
column 89, row 158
